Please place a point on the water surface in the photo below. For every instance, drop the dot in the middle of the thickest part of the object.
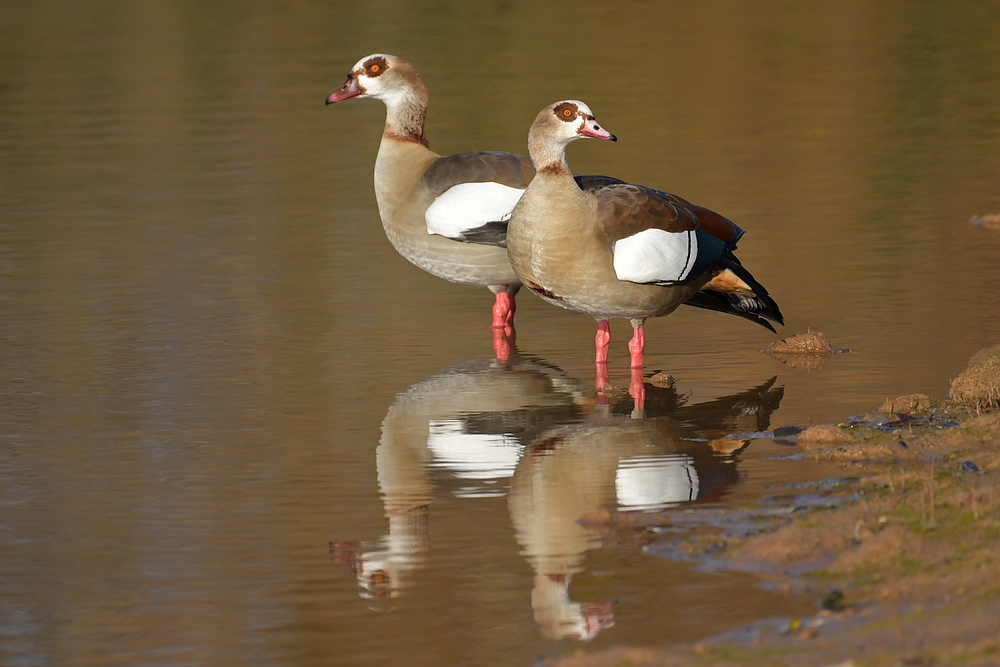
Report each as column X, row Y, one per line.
column 213, row 366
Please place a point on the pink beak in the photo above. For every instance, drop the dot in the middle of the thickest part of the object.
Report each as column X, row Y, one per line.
column 347, row 91
column 594, row 131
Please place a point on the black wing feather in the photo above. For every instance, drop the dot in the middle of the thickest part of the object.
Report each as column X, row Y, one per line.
column 754, row 307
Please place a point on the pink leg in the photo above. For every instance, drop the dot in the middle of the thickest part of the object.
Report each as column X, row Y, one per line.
column 510, row 311
column 636, row 346
column 503, row 310
column 602, row 341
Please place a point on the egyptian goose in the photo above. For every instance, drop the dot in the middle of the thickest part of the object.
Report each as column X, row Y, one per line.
column 447, row 215
column 613, row 249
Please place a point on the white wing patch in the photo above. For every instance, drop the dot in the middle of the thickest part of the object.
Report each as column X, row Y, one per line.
column 653, row 256
column 470, row 205
column 472, row 455
column 656, row 481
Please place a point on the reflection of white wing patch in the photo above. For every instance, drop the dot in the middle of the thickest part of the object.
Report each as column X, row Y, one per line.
column 472, row 455
column 653, row 256
column 470, row 205
column 655, row 482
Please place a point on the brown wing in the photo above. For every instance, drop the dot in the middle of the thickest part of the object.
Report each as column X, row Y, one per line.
column 721, row 228
column 508, row 169
column 627, row 209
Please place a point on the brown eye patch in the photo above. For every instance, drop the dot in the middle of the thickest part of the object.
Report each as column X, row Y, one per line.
column 375, row 66
column 565, row 111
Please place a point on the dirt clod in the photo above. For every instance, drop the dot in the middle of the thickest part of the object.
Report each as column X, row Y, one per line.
column 823, row 435
column 809, row 350
column 661, row 379
column 907, row 405
column 979, row 384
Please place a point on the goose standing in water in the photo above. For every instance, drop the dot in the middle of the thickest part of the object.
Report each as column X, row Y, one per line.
column 447, row 215
column 620, row 250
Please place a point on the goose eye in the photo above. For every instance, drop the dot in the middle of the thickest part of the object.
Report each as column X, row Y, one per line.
column 376, row 66
column 565, row 112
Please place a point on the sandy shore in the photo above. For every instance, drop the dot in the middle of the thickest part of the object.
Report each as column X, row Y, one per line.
column 902, row 553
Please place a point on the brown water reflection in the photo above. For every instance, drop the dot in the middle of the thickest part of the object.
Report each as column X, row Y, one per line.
column 202, row 324
column 526, row 430
column 472, row 420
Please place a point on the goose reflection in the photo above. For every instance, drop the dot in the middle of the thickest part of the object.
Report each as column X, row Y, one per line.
column 526, row 429
column 611, row 462
column 472, row 420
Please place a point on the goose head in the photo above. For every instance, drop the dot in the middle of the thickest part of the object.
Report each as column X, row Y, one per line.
column 383, row 77
column 559, row 124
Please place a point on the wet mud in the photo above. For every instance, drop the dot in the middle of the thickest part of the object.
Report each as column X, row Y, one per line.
column 900, row 552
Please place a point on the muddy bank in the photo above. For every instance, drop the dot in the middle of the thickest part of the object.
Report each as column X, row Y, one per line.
column 901, row 553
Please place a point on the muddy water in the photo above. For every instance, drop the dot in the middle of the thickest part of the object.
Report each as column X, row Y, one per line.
column 237, row 428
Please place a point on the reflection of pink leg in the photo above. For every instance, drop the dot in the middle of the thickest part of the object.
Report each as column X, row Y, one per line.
column 637, row 389
column 503, row 310
column 602, row 341
column 503, row 342
column 601, row 381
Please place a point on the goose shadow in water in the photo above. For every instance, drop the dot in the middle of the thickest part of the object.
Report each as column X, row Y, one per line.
column 565, row 455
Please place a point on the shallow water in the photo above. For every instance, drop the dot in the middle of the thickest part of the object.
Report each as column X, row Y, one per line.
column 237, row 428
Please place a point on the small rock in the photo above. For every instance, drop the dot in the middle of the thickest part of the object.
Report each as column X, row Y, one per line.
column 833, row 601
column 661, row 380
column 824, row 434
column 969, row 466
column 613, row 391
column 980, row 382
column 813, row 342
column 907, row 405
column 809, row 350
